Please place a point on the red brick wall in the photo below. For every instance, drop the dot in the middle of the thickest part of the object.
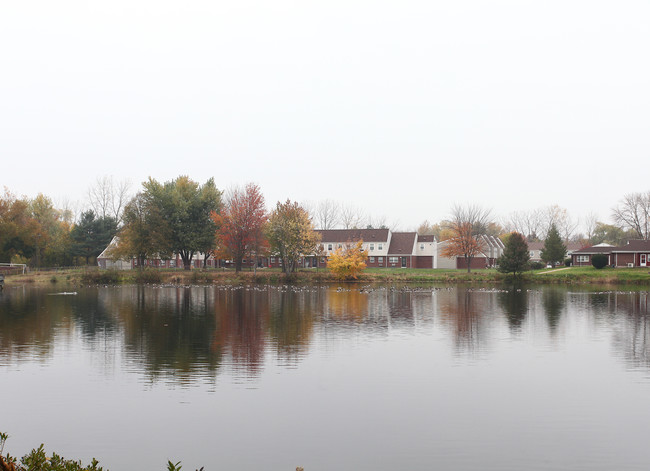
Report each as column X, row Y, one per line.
column 423, row 262
column 477, row 263
column 622, row 259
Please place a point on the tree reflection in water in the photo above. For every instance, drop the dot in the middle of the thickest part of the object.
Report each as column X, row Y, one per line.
column 514, row 303
column 553, row 302
column 181, row 334
column 464, row 309
column 630, row 325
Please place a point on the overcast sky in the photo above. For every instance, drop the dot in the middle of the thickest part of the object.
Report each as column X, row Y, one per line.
column 399, row 107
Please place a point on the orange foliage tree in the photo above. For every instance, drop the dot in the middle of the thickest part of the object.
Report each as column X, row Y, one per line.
column 465, row 229
column 348, row 263
column 241, row 224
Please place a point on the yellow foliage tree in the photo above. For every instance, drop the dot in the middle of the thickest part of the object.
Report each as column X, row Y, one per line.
column 348, row 263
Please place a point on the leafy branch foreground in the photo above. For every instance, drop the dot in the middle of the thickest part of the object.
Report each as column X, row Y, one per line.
column 37, row 460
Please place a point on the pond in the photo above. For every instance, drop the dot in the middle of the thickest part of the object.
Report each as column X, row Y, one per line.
column 328, row 378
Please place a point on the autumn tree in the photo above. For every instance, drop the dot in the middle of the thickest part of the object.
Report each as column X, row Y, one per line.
column 19, row 231
column 427, row 228
column 291, row 234
column 633, row 212
column 348, row 263
column 186, row 208
column 144, row 232
column 516, row 256
column 554, row 249
column 54, row 242
column 241, row 223
column 611, row 234
column 466, row 226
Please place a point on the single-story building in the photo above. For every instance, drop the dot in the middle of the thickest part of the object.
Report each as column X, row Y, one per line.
column 636, row 253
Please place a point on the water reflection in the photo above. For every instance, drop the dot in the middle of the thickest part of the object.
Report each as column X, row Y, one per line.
column 628, row 316
column 514, row 303
column 180, row 334
column 553, row 302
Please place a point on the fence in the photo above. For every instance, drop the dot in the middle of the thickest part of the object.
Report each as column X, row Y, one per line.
column 13, row 268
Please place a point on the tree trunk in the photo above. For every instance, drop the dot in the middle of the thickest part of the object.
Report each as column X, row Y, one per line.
column 237, row 264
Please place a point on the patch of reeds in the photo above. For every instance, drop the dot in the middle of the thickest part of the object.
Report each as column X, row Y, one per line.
column 100, row 277
column 148, row 276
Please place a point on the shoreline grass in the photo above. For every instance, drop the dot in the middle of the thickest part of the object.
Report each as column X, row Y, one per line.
column 87, row 276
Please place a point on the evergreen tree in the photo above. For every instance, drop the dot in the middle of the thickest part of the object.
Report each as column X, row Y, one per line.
column 516, row 257
column 554, row 249
column 91, row 235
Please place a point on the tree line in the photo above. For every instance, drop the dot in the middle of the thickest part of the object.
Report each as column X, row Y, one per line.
column 184, row 217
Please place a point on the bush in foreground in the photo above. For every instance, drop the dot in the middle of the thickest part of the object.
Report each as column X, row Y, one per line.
column 599, row 261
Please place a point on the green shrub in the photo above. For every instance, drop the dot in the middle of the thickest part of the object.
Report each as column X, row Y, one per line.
column 567, row 262
column 599, row 260
column 536, row 265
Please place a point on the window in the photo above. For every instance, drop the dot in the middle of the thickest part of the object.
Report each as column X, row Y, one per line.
column 329, row 246
column 393, row 259
column 372, row 259
column 380, row 246
column 532, row 253
column 339, row 246
column 380, row 260
column 421, row 246
column 272, row 259
column 582, row 258
column 372, row 246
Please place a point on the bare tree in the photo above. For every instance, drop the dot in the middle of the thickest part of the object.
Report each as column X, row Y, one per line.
column 352, row 217
column 326, row 214
column 560, row 217
column 633, row 212
column 529, row 223
column 107, row 198
column 69, row 210
column 591, row 221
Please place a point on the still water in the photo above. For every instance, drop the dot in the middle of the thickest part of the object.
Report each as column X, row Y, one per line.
column 328, row 378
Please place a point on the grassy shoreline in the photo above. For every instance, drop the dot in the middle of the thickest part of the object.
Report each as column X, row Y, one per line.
column 93, row 276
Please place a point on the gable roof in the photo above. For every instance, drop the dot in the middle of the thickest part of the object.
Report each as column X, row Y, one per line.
column 401, row 243
column 350, row 235
column 535, row 245
column 594, row 250
column 426, row 238
column 635, row 245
